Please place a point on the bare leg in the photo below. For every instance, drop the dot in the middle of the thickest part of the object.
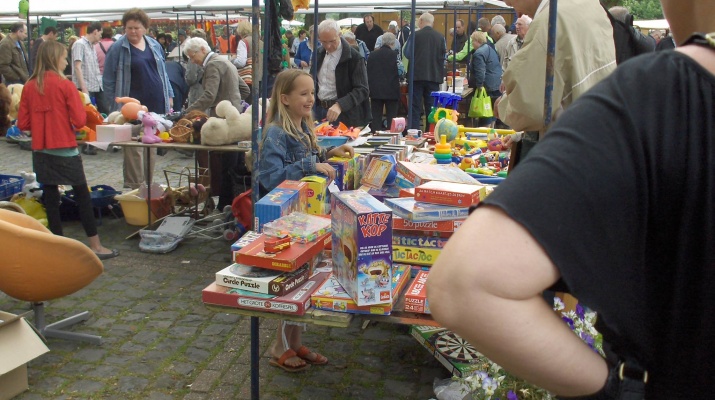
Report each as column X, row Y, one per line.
column 96, row 245
column 285, row 339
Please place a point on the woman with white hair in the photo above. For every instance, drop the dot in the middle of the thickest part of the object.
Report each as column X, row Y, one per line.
column 220, row 82
column 383, row 78
column 485, row 71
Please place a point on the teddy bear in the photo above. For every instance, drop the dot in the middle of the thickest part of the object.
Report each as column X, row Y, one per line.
column 15, row 93
column 231, row 126
column 116, row 118
column 184, row 196
column 32, row 187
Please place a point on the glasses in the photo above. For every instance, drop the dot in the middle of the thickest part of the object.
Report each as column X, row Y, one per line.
column 324, row 42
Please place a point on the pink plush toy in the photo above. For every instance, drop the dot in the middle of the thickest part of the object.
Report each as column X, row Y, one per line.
column 149, row 124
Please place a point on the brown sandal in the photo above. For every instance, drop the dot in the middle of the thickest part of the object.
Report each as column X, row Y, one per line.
column 318, row 360
column 280, row 362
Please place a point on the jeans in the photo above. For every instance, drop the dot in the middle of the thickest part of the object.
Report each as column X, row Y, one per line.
column 390, row 110
column 421, row 90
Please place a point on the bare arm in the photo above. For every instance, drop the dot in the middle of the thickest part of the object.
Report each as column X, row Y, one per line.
column 80, row 78
column 496, row 305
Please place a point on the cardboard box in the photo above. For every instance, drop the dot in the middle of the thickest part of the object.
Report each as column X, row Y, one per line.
column 416, row 294
column 450, row 193
column 408, row 208
column 317, row 194
column 419, row 174
column 19, row 344
column 114, row 133
column 287, row 197
column 289, row 259
column 242, row 242
column 415, row 255
column 344, row 172
column 261, row 280
column 331, row 296
column 296, row 302
column 362, row 246
column 446, row 346
column 424, row 241
column 431, row 226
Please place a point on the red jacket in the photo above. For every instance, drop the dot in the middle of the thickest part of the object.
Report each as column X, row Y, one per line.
column 52, row 117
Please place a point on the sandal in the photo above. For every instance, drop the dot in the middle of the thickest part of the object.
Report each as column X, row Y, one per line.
column 107, row 256
column 280, row 362
column 319, row 359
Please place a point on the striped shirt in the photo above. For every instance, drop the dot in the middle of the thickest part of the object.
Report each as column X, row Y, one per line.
column 83, row 51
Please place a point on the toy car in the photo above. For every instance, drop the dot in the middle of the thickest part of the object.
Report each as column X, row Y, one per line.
column 275, row 245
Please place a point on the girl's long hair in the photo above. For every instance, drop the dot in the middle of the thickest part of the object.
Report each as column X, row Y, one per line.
column 48, row 60
column 278, row 113
column 5, row 103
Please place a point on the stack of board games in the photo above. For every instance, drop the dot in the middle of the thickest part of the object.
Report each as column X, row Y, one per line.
column 332, row 297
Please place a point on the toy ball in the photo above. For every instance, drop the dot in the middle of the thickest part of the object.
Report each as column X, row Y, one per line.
column 393, row 172
column 164, row 135
column 495, row 145
column 446, row 127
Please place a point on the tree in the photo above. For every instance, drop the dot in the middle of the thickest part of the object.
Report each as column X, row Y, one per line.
column 644, row 9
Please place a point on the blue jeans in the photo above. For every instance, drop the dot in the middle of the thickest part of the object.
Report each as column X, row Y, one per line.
column 421, row 92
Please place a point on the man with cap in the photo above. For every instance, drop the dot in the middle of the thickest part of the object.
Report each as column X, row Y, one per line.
column 392, row 28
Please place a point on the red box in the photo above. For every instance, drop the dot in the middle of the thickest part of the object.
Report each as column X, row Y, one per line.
column 296, row 302
column 449, row 193
column 434, row 226
column 416, row 294
column 289, row 259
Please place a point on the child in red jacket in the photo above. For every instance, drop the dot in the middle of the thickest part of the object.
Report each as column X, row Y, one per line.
column 50, row 108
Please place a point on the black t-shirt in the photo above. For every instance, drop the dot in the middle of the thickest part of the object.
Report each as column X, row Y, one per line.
column 621, row 195
column 369, row 37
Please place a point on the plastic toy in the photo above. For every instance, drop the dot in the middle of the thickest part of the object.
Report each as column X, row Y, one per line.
column 446, row 127
column 440, row 110
column 443, row 151
column 149, row 124
column 32, row 187
column 131, row 107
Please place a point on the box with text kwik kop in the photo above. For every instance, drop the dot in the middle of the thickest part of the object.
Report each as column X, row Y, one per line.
column 331, row 296
column 416, row 294
column 449, row 193
column 261, row 280
column 288, row 259
column 296, row 302
column 362, row 246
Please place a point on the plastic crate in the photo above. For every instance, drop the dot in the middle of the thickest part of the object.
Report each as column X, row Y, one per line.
column 9, row 185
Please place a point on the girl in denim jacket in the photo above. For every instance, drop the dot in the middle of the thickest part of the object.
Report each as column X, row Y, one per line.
column 290, row 151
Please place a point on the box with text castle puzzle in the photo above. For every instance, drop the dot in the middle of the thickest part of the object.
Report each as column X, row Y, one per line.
column 362, row 246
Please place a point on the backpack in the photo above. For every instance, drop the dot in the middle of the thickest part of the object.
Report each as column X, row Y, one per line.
column 628, row 42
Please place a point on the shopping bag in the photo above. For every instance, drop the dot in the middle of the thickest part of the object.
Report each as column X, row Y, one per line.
column 481, row 105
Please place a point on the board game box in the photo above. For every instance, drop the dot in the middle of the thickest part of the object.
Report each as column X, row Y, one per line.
column 332, row 297
column 416, row 294
column 296, row 302
column 419, row 174
column 449, row 193
column 408, row 208
column 431, row 226
column 287, row 197
column 415, row 255
column 288, row 259
column 455, row 353
column 317, row 194
column 362, row 246
column 261, row 280
column 428, row 240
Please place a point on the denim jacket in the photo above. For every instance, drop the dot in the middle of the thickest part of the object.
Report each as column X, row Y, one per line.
column 486, row 68
column 283, row 157
column 117, row 77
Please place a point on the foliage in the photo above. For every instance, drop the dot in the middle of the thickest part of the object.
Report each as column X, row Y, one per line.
column 641, row 9
column 490, row 381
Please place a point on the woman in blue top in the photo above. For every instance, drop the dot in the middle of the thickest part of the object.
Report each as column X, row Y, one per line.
column 486, row 71
column 304, row 53
column 134, row 67
column 290, row 150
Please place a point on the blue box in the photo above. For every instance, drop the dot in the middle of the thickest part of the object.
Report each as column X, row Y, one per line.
column 411, row 210
column 286, row 198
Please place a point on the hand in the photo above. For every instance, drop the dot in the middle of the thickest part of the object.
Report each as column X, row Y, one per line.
column 334, row 112
column 327, row 170
column 502, row 87
column 303, row 64
column 342, row 151
column 509, row 140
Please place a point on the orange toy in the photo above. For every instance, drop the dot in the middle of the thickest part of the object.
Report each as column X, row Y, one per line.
column 131, row 107
column 327, row 129
column 94, row 118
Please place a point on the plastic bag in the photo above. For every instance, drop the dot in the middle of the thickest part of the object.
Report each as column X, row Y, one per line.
column 448, row 389
column 481, row 105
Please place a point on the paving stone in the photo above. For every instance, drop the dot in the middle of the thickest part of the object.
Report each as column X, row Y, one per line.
column 159, row 396
column 90, row 355
column 84, row 387
column 205, row 381
column 132, row 384
column 317, row 393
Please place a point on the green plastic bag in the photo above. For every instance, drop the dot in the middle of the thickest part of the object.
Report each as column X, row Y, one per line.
column 481, row 105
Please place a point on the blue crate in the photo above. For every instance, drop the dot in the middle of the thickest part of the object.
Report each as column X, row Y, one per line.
column 9, row 185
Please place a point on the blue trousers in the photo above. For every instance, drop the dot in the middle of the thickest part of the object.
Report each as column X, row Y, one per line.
column 421, row 92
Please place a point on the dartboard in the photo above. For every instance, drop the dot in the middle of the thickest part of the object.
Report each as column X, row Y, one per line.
column 451, row 345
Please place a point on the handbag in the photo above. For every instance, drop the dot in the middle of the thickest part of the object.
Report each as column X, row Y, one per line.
column 481, row 105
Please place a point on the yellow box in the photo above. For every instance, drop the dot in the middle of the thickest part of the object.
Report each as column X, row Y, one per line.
column 318, row 203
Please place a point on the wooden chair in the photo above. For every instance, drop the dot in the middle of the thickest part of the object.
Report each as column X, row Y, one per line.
column 38, row 266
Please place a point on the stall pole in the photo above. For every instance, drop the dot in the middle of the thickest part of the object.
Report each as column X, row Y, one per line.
column 228, row 34
column 454, row 52
column 196, row 21
column 314, row 54
column 550, row 55
column 411, row 72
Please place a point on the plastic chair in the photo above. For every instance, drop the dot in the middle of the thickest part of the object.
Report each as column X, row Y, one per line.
column 41, row 267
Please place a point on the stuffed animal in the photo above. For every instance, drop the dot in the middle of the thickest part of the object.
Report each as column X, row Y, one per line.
column 131, row 107
column 116, row 118
column 16, row 93
column 184, row 196
column 231, row 127
column 32, row 187
column 149, row 124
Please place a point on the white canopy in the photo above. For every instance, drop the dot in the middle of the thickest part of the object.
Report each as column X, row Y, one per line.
column 652, row 24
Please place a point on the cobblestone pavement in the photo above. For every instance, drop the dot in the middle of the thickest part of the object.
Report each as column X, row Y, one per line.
column 160, row 342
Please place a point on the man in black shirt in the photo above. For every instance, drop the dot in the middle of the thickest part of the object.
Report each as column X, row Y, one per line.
column 368, row 32
column 50, row 34
column 603, row 204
